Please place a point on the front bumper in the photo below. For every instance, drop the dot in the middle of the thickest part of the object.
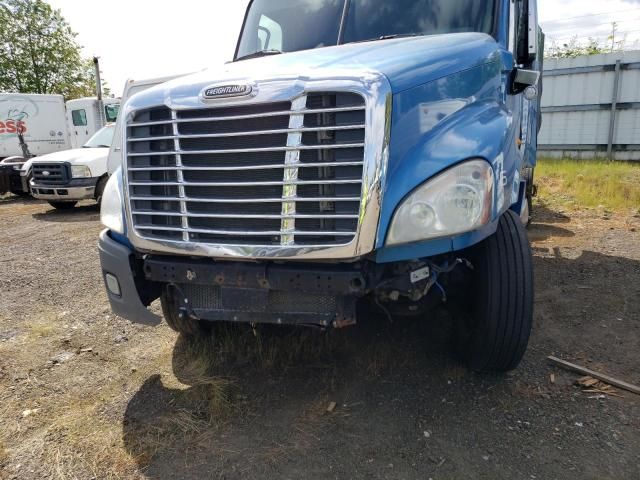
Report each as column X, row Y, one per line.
column 116, row 260
column 77, row 189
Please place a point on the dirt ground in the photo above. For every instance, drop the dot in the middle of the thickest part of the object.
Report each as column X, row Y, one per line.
column 84, row 394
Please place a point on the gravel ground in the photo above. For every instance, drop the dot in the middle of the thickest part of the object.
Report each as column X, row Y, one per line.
column 84, row 394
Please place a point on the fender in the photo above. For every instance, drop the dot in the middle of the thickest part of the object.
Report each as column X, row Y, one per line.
column 483, row 129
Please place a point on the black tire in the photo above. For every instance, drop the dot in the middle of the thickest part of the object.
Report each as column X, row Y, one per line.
column 102, row 183
column 63, row 205
column 181, row 324
column 496, row 329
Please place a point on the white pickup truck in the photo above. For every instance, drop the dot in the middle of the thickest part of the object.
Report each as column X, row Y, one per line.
column 65, row 178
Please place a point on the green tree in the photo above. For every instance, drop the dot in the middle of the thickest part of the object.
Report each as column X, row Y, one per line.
column 577, row 48
column 39, row 52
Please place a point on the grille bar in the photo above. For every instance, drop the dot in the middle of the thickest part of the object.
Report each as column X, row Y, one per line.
column 336, row 128
column 246, row 167
column 243, row 184
column 248, row 150
column 219, row 215
column 246, row 200
column 247, row 117
column 256, row 233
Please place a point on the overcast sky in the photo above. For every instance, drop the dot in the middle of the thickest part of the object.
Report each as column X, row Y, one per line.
column 150, row 38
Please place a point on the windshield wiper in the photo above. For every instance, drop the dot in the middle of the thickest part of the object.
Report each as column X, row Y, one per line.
column 259, row 53
column 390, row 37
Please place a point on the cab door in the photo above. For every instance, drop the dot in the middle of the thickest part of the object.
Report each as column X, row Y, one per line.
column 81, row 117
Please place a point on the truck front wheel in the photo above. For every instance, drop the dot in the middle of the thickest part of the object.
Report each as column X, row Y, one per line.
column 177, row 321
column 495, row 328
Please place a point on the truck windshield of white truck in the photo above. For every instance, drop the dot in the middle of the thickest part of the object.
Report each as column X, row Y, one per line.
column 276, row 26
column 102, row 139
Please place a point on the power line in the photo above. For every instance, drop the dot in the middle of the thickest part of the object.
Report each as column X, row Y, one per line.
column 632, row 40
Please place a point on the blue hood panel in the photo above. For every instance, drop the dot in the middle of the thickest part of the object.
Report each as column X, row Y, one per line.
column 406, row 62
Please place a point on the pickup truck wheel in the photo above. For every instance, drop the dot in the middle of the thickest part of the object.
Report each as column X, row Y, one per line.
column 496, row 328
column 184, row 325
column 100, row 188
column 63, row 205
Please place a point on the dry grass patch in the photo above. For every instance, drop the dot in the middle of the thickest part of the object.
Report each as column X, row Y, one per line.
column 576, row 184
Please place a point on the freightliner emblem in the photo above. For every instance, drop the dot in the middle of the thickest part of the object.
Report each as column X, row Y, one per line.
column 227, row 91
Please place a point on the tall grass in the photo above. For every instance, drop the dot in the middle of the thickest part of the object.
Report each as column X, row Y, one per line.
column 577, row 184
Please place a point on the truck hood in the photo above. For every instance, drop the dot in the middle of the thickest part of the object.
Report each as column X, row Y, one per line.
column 77, row 156
column 405, row 62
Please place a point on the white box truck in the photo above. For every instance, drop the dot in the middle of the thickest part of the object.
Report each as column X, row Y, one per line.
column 40, row 118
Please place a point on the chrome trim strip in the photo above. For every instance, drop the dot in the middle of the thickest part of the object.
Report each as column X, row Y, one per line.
column 250, row 150
column 245, row 167
column 284, row 113
column 290, row 178
column 376, row 90
column 245, row 200
column 251, row 233
column 338, row 128
column 180, row 176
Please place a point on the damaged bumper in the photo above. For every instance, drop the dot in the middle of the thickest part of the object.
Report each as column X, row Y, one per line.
column 309, row 294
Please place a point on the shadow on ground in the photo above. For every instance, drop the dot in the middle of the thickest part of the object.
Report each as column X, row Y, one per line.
column 80, row 213
column 253, row 407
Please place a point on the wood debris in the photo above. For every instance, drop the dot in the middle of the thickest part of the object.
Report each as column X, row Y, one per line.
column 593, row 385
column 332, row 406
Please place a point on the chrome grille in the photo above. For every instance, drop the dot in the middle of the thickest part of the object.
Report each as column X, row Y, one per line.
column 272, row 174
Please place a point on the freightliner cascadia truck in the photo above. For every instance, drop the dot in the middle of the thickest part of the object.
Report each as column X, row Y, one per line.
column 353, row 151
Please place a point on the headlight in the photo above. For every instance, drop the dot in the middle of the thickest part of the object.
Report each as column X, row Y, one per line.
column 455, row 202
column 111, row 210
column 80, row 171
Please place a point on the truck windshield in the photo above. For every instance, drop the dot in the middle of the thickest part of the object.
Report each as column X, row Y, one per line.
column 102, row 138
column 285, row 26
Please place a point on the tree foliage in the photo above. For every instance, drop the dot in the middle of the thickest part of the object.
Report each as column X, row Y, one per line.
column 39, row 52
column 592, row 46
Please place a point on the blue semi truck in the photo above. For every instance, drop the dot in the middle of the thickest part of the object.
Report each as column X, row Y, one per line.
column 354, row 151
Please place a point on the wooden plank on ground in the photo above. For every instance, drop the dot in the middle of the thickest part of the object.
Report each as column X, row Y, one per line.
column 600, row 376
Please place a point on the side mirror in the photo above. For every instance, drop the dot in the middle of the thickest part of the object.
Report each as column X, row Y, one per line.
column 525, row 81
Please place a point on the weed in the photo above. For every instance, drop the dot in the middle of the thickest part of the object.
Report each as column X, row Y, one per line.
column 576, row 184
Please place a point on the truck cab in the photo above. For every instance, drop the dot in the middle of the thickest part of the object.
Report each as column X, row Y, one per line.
column 353, row 152
column 85, row 116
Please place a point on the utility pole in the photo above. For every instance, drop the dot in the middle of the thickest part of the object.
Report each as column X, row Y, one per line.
column 614, row 29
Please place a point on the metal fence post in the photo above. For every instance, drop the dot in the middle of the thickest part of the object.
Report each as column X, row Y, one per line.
column 614, row 109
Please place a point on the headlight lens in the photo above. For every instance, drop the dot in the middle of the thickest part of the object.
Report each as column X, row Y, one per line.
column 80, row 171
column 455, row 202
column 111, row 210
